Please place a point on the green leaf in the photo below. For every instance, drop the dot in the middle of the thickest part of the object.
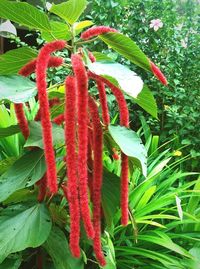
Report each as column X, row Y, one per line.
column 100, row 57
column 59, row 30
column 110, row 195
column 69, row 11
column 11, row 263
column 24, row 14
column 11, row 130
column 146, row 100
column 58, row 248
column 131, row 145
column 127, row 48
column 35, row 138
column 119, row 75
column 6, row 163
column 17, row 89
column 22, row 229
column 79, row 26
column 23, row 173
column 12, row 61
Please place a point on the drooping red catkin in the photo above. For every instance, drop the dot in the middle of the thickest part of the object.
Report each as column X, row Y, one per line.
column 52, row 102
column 82, row 87
column 96, row 30
column 42, row 184
column 22, row 121
column 157, row 72
column 97, row 178
column 91, row 57
column 72, row 183
column 59, row 119
column 103, row 101
column 124, row 121
column 115, row 154
column 41, row 66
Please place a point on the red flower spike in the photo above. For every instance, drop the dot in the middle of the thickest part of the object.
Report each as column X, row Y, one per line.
column 157, row 72
column 115, row 155
column 41, row 66
column 97, row 178
column 103, row 101
column 70, row 140
column 82, row 86
column 124, row 121
column 59, row 119
column 96, row 30
column 22, row 121
column 42, row 184
column 52, row 102
column 91, row 57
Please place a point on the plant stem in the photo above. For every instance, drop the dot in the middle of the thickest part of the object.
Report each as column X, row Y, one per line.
column 87, row 41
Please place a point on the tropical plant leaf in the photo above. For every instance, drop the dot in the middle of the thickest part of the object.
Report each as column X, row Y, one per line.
column 131, row 145
column 22, row 229
column 35, row 138
column 70, row 10
column 16, row 89
column 119, row 75
column 24, row 14
column 146, row 100
column 58, row 248
column 79, row 26
column 23, row 173
column 12, row 61
column 11, row 130
column 110, row 195
column 127, row 48
column 59, row 30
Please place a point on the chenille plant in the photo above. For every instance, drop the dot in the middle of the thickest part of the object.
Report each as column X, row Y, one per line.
column 62, row 159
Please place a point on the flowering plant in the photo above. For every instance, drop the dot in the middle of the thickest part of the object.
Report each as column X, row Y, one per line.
column 62, row 156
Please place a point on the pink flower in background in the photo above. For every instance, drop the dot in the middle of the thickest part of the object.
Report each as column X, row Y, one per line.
column 156, row 24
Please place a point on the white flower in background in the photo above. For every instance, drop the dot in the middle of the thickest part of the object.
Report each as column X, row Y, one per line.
column 156, row 24
column 184, row 43
column 48, row 6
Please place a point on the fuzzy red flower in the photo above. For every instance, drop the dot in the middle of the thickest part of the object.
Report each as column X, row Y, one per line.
column 96, row 30
column 103, row 101
column 42, row 184
column 115, row 154
column 41, row 66
column 157, row 72
column 82, row 86
column 70, row 140
column 124, row 121
column 59, row 119
column 97, row 178
column 91, row 57
column 22, row 121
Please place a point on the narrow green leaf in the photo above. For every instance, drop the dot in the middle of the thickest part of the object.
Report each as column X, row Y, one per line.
column 70, row 10
column 59, row 30
column 35, row 138
column 146, row 100
column 58, row 248
column 122, row 77
column 110, row 195
column 131, row 145
column 16, row 89
column 12, row 61
column 23, row 173
column 127, row 48
column 11, row 130
column 24, row 14
column 20, row 230
column 146, row 197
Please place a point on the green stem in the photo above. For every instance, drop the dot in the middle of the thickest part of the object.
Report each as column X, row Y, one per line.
column 87, row 41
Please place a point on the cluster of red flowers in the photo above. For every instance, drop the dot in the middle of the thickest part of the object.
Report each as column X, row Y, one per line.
column 83, row 139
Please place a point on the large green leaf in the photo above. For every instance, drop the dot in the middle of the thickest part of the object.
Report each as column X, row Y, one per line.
column 131, row 145
column 16, row 89
column 58, row 248
column 59, row 30
column 110, row 195
column 23, row 173
column 12, row 61
column 22, row 229
column 24, row 14
column 11, row 130
column 35, row 138
column 70, row 10
column 11, row 263
column 146, row 100
column 127, row 48
column 119, row 75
